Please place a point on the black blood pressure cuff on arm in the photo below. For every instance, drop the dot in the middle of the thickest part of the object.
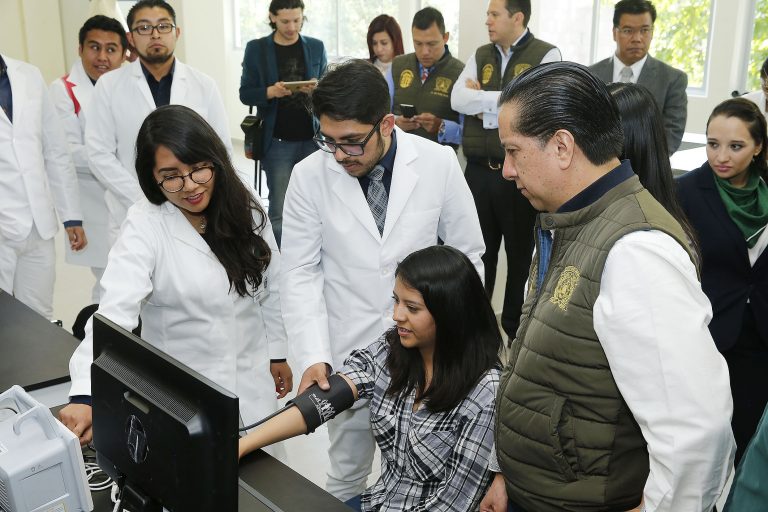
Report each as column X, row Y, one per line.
column 318, row 406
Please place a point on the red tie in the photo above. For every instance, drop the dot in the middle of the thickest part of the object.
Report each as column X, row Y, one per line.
column 424, row 74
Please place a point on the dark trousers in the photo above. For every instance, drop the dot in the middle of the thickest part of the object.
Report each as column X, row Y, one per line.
column 748, row 367
column 504, row 213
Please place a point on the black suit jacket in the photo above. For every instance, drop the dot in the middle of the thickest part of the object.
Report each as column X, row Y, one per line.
column 726, row 275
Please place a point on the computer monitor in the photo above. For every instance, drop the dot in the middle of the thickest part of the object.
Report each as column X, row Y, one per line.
column 160, row 429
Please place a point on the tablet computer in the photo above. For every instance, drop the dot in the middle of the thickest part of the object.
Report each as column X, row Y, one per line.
column 295, row 86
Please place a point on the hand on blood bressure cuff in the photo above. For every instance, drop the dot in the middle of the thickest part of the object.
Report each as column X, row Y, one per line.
column 318, row 406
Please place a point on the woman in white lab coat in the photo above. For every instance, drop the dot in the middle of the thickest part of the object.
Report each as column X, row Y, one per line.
column 198, row 260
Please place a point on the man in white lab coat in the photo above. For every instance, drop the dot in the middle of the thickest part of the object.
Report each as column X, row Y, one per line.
column 352, row 212
column 36, row 174
column 102, row 48
column 124, row 97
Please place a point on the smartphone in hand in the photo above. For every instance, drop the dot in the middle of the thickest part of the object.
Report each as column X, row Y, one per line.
column 407, row 111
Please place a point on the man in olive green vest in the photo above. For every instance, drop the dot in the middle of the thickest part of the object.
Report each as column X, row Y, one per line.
column 424, row 80
column 503, row 212
column 614, row 397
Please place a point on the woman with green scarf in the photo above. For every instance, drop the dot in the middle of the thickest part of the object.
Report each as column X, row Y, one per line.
column 726, row 201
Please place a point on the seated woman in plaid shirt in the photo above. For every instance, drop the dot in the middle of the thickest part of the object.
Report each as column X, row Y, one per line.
column 431, row 381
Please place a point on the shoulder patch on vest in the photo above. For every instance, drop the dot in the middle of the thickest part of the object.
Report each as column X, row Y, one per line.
column 442, row 85
column 566, row 284
column 406, row 78
column 487, row 73
column 519, row 68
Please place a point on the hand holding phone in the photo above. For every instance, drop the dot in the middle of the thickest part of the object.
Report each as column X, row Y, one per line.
column 407, row 111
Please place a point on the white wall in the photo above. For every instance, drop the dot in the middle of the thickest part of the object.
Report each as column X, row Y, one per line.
column 44, row 32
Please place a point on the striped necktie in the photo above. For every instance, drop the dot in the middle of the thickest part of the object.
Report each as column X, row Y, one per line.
column 377, row 197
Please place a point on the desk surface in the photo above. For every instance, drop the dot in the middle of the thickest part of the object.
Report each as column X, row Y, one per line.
column 34, row 353
column 280, row 485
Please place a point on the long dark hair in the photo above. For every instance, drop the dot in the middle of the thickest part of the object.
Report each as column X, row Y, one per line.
column 748, row 112
column 388, row 24
column 467, row 338
column 231, row 232
column 645, row 145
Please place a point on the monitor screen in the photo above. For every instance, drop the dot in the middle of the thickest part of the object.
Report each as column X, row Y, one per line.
column 165, row 432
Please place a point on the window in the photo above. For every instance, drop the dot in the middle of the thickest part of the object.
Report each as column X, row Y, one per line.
column 759, row 48
column 557, row 27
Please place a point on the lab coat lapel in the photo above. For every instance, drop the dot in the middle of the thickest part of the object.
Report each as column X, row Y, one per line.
column 184, row 232
column 179, row 84
column 404, row 180
column 143, row 86
column 18, row 92
column 347, row 189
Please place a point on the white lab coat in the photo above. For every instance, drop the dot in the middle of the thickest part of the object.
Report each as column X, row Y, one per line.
column 35, row 165
column 160, row 266
column 120, row 103
column 338, row 272
column 95, row 212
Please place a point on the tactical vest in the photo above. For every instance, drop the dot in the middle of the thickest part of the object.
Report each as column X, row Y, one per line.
column 434, row 95
column 566, row 439
column 478, row 142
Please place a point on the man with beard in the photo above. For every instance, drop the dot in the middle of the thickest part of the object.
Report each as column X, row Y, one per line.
column 124, row 97
column 373, row 195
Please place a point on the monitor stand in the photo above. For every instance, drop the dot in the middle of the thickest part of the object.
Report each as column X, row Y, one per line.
column 134, row 500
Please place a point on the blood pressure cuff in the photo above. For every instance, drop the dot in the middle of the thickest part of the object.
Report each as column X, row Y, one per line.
column 318, row 406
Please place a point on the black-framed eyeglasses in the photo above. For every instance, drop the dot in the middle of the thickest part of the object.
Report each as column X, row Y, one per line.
column 348, row 148
column 146, row 29
column 201, row 174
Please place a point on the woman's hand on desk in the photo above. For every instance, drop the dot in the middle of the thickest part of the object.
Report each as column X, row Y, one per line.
column 79, row 419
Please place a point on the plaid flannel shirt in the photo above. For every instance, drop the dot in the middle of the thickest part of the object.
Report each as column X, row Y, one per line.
column 429, row 461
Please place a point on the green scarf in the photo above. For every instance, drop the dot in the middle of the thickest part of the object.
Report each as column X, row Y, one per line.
column 747, row 206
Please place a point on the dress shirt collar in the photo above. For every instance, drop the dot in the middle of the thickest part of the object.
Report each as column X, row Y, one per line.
column 637, row 68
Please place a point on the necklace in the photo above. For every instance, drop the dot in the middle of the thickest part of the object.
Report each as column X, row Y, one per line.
column 203, row 224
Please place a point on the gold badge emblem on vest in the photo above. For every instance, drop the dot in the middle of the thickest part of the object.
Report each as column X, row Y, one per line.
column 487, row 73
column 519, row 68
column 566, row 284
column 406, row 79
column 442, row 86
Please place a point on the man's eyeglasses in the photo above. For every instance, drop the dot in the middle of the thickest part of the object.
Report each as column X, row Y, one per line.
column 147, row 29
column 348, row 148
column 201, row 174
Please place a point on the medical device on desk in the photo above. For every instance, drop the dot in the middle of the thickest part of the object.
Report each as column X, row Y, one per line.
column 41, row 464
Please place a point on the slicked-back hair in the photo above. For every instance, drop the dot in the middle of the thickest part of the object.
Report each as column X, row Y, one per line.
column 388, row 24
column 144, row 4
column 353, row 90
column 231, row 231
column 750, row 114
column 566, row 96
column 645, row 145
column 467, row 337
column 276, row 5
column 523, row 6
column 426, row 17
column 632, row 7
column 105, row 23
